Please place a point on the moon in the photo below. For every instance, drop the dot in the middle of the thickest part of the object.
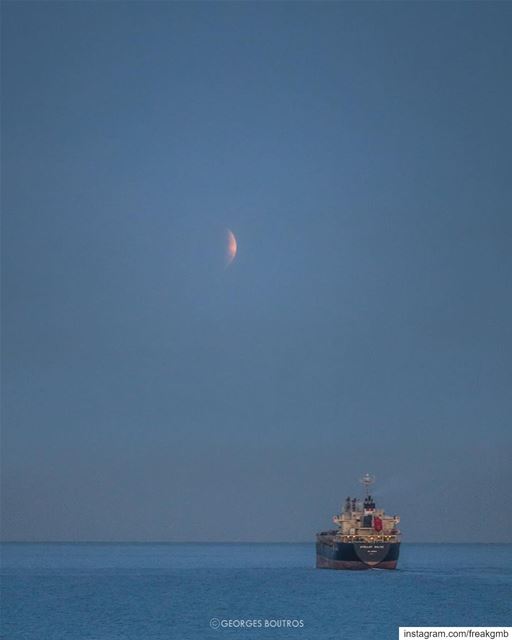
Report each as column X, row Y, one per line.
column 231, row 247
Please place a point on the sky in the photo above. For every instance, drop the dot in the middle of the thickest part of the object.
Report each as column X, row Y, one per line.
column 360, row 153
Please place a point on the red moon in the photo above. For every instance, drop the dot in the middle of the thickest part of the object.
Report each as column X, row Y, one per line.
column 231, row 248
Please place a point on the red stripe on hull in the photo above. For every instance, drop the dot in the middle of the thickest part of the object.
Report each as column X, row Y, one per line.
column 390, row 564
column 325, row 563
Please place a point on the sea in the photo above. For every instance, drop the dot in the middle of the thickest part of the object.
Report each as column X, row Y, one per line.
column 98, row 591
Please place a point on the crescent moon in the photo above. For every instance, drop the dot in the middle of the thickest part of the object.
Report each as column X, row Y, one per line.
column 231, row 248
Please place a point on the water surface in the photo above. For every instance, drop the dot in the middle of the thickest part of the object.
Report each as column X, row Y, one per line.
column 166, row 591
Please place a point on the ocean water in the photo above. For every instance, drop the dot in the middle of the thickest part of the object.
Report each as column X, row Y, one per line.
column 172, row 591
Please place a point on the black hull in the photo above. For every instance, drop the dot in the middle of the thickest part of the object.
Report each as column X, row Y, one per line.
column 331, row 554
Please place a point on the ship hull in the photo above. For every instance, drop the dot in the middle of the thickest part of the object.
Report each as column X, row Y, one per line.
column 331, row 554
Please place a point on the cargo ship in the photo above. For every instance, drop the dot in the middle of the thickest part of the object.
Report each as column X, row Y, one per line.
column 366, row 538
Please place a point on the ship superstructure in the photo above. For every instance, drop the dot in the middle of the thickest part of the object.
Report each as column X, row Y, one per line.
column 365, row 538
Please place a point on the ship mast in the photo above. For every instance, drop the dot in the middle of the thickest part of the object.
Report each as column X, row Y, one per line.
column 367, row 480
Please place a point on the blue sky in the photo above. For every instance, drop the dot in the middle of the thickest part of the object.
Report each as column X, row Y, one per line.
column 360, row 152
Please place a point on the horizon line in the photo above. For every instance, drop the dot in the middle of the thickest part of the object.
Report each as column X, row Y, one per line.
column 221, row 542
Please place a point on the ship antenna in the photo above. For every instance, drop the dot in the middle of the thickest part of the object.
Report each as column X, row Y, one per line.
column 367, row 480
